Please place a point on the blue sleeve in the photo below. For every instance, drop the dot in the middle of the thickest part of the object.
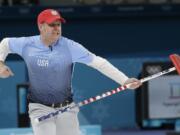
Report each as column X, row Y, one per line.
column 79, row 53
column 16, row 45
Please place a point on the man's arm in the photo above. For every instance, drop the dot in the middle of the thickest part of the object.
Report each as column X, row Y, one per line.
column 82, row 55
column 112, row 72
column 5, row 71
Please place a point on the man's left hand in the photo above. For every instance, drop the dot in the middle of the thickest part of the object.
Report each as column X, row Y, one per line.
column 133, row 83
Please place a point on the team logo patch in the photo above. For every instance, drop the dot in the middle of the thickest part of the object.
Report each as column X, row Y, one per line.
column 53, row 12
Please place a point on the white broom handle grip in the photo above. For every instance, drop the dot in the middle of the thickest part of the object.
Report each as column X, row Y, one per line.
column 157, row 74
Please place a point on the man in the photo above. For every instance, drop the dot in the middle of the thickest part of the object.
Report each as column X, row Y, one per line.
column 50, row 58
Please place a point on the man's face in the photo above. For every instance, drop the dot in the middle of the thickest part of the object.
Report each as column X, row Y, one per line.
column 51, row 31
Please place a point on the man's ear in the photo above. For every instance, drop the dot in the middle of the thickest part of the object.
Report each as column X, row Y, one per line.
column 41, row 27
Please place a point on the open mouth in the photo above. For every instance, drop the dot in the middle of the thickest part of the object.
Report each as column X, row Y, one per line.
column 56, row 33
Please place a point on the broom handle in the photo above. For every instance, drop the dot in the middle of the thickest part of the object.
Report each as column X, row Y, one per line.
column 101, row 96
column 158, row 74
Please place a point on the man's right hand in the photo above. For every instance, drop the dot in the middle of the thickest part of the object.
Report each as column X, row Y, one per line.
column 5, row 71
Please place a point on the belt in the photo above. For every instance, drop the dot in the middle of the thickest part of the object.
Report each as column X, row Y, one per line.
column 56, row 105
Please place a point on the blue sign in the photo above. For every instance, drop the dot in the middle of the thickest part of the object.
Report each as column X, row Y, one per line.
column 91, row 130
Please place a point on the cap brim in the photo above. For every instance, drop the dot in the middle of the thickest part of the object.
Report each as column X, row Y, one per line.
column 57, row 18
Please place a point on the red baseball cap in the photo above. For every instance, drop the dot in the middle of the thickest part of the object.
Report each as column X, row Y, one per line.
column 49, row 16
